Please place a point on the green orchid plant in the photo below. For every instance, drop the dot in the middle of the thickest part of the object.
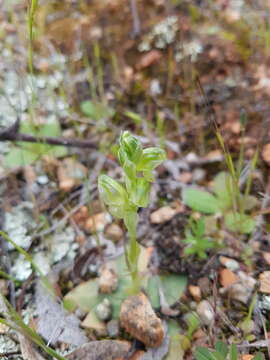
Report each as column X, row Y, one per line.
column 123, row 201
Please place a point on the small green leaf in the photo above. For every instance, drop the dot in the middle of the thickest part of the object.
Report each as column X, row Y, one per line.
column 239, row 222
column 173, row 286
column 111, row 192
column 96, row 111
column 202, row 353
column 222, row 348
column 200, row 201
column 223, row 189
column 258, row 357
column 151, row 158
column 233, row 352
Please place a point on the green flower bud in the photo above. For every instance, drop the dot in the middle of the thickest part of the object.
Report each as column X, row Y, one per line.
column 130, row 148
column 140, row 190
column 111, row 192
column 151, row 158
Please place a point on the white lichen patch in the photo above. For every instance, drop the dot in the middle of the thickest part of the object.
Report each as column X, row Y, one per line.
column 162, row 35
column 21, row 268
column 7, row 345
column 63, row 245
column 190, row 49
column 18, row 223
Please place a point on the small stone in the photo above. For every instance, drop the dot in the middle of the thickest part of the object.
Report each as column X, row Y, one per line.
column 266, row 256
column 114, row 232
column 113, row 328
column 205, row 312
column 138, row 355
column 104, row 310
column 162, row 215
column 185, row 177
column 229, row 263
column 108, row 280
column 139, row 320
column 198, row 175
column 242, row 290
column 227, row 277
column 195, row 292
column 97, row 222
column 264, row 278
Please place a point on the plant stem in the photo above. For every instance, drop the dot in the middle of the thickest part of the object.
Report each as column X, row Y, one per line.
column 134, row 252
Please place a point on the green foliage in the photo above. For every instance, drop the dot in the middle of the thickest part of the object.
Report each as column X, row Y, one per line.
column 96, row 110
column 173, row 286
column 221, row 352
column 123, row 201
column 201, row 201
column 222, row 201
column 27, row 153
column 197, row 242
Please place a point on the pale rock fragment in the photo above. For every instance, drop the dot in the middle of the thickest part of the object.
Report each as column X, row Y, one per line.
column 162, row 215
column 114, row 232
column 108, row 280
column 205, row 312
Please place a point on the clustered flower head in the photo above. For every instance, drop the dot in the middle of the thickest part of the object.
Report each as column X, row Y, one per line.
column 138, row 165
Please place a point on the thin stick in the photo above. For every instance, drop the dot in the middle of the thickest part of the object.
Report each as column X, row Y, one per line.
column 135, row 17
column 12, row 134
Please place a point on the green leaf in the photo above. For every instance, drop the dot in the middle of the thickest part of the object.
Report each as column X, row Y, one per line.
column 96, row 111
column 222, row 348
column 233, row 352
column 130, row 147
column 151, row 158
column 111, row 191
column 85, row 296
column 222, row 187
column 258, row 356
column 200, row 201
column 241, row 223
column 202, row 353
column 173, row 286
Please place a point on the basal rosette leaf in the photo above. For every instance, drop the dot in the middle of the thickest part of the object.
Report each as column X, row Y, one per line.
column 111, row 192
column 199, row 200
column 130, row 148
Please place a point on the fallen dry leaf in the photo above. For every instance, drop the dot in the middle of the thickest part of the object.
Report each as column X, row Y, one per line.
column 264, row 278
column 227, row 277
column 139, row 320
column 101, row 350
column 54, row 323
column 148, row 59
